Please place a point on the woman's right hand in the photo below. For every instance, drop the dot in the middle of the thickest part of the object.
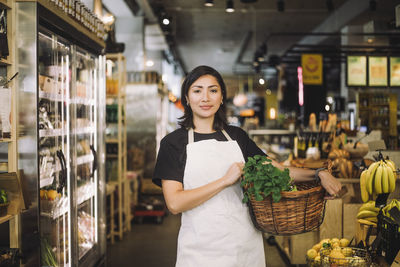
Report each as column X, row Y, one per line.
column 233, row 173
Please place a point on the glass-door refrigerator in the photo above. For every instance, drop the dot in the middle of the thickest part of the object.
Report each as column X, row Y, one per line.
column 61, row 120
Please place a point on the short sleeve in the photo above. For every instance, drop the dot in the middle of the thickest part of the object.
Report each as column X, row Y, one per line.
column 252, row 149
column 168, row 165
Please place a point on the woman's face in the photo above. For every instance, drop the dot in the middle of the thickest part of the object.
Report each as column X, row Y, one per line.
column 204, row 97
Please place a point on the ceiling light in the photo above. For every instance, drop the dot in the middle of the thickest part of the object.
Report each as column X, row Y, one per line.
column 280, row 5
column 229, row 6
column 165, row 21
column 108, row 19
column 149, row 63
column 209, row 3
column 261, row 81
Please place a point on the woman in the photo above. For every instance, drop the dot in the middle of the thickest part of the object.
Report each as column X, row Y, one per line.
column 199, row 166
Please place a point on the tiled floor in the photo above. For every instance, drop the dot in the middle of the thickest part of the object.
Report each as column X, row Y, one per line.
column 154, row 245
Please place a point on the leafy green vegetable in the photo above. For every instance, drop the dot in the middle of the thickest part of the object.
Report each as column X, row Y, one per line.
column 3, row 196
column 262, row 179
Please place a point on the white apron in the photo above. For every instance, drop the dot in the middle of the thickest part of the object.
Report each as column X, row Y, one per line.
column 219, row 232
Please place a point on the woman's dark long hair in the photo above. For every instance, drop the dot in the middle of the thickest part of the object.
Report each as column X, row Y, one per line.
column 186, row 121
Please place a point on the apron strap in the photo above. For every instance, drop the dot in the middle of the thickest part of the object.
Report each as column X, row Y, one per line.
column 226, row 135
column 191, row 135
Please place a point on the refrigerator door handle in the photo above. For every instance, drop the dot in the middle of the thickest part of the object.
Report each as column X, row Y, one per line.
column 94, row 160
column 61, row 157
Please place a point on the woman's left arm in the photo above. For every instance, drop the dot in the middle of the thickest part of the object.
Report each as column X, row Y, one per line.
column 330, row 183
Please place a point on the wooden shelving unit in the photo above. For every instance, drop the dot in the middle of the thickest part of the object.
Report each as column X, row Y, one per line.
column 378, row 111
column 8, row 63
column 116, row 86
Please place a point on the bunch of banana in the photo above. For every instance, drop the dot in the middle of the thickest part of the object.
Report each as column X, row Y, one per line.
column 367, row 214
column 392, row 204
column 380, row 178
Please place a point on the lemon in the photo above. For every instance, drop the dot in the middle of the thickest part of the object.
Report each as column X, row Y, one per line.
column 334, row 240
column 336, row 257
column 344, row 242
column 312, row 253
column 346, row 251
column 317, row 247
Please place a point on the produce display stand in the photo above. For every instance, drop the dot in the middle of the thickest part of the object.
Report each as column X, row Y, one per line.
column 116, row 95
column 339, row 221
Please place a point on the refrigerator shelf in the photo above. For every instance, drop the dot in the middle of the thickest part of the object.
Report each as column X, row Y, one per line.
column 46, row 181
column 51, row 132
column 82, row 101
column 51, row 96
column 85, row 130
column 85, row 192
column 84, row 159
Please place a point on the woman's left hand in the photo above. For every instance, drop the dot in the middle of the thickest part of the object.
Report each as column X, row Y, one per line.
column 330, row 183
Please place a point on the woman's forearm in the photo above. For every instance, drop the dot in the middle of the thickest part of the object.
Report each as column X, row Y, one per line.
column 179, row 200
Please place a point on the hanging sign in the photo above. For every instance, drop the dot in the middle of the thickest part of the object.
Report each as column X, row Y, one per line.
column 395, row 71
column 377, row 71
column 312, row 68
column 356, row 70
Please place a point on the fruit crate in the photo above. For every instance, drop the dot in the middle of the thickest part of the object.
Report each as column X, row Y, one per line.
column 390, row 237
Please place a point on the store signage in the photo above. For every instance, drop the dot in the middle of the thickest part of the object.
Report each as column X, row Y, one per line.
column 312, row 68
column 356, row 70
column 377, row 71
column 395, row 71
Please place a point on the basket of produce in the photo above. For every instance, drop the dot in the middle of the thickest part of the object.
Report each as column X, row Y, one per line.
column 336, row 252
column 276, row 205
column 344, row 257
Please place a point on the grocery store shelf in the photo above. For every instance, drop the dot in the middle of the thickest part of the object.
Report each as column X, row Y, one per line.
column 111, row 141
column 6, row 140
column 84, row 159
column 51, row 132
column 112, row 156
column 61, row 209
column 51, row 96
column 5, row 218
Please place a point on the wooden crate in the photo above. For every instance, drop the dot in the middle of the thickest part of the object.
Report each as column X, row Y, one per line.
column 361, row 233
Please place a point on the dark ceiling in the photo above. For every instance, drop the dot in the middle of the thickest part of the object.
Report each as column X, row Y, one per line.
column 229, row 41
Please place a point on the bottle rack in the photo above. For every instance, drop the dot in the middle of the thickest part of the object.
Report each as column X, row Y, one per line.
column 116, row 145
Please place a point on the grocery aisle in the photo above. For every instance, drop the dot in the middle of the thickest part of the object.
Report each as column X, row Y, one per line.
column 154, row 245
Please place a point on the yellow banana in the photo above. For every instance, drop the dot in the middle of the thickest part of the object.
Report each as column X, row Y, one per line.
column 369, row 206
column 372, row 219
column 378, row 180
column 363, row 185
column 366, row 222
column 391, row 180
column 372, row 168
column 391, row 164
column 366, row 213
column 385, row 178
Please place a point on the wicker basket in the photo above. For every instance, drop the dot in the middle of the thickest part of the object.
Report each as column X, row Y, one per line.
column 297, row 212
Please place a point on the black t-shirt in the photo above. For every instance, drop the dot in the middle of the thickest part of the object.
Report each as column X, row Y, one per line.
column 171, row 158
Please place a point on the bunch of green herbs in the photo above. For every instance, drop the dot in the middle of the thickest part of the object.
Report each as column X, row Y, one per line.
column 261, row 179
